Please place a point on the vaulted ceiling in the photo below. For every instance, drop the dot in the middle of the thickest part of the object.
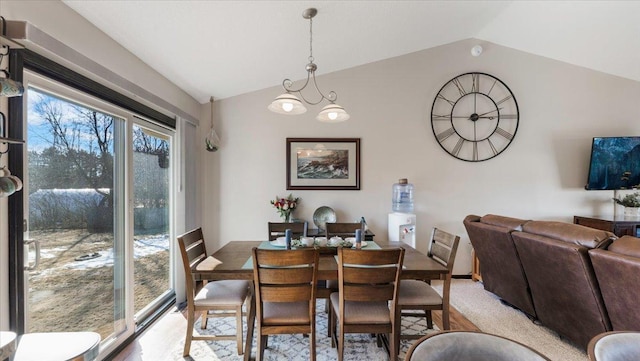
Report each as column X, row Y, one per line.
column 226, row 48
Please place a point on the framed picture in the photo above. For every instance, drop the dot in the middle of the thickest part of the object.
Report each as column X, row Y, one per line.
column 323, row 163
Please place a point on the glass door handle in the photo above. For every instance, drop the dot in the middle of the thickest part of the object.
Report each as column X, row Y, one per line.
column 27, row 247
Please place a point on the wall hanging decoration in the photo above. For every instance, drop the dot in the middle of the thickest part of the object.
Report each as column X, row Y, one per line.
column 474, row 117
column 212, row 141
column 288, row 103
column 323, row 163
column 8, row 86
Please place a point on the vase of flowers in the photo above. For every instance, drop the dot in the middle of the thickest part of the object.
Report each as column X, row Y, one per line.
column 631, row 204
column 285, row 206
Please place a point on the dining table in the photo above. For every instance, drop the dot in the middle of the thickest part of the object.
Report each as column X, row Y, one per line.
column 233, row 262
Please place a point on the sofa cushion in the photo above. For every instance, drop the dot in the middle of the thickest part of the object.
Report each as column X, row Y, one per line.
column 513, row 224
column 569, row 232
column 626, row 245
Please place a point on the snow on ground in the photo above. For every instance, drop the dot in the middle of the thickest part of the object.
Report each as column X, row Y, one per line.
column 141, row 248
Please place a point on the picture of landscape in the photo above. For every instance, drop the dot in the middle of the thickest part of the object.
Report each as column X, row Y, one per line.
column 323, row 164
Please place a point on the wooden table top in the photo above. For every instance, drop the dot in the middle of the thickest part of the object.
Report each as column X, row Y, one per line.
column 235, row 254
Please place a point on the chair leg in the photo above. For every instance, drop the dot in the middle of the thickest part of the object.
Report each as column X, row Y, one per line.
column 445, row 320
column 262, row 344
column 204, row 318
column 187, row 341
column 393, row 345
column 332, row 327
column 239, row 334
column 312, row 341
column 430, row 319
column 340, row 344
column 330, row 316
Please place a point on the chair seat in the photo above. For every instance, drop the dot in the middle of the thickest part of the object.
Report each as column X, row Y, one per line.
column 466, row 345
column 223, row 293
column 417, row 293
column 615, row 346
column 285, row 313
column 57, row 346
column 362, row 312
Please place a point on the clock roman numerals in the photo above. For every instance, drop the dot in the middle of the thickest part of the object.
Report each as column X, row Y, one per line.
column 474, row 117
column 446, row 134
column 503, row 99
column 456, row 149
column 460, row 87
column 442, row 97
column 504, row 133
column 446, row 117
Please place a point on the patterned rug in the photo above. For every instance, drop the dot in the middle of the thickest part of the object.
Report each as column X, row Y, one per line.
column 296, row 347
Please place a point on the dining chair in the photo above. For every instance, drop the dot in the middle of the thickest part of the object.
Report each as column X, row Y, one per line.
column 368, row 296
column 285, row 294
column 342, row 229
column 276, row 229
column 418, row 295
column 470, row 345
column 223, row 298
column 615, row 346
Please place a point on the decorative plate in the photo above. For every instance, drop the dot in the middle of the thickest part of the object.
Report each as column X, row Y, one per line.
column 323, row 215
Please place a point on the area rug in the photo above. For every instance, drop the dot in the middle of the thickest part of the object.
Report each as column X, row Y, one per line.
column 296, row 347
column 485, row 310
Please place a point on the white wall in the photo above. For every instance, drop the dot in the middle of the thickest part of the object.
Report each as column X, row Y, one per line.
column 540, row 176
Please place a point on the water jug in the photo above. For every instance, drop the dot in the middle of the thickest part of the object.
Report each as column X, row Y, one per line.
column 403, row 196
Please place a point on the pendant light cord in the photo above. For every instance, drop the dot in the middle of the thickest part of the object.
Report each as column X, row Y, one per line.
column 311, row 40
column 211, row 101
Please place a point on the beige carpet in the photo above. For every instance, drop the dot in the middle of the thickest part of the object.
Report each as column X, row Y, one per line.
column 486, row 311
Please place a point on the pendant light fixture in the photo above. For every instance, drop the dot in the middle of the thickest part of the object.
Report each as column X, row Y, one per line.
column 289, row 103
column 212, row 141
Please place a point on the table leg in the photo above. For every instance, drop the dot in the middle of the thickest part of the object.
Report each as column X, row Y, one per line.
column 251, row 318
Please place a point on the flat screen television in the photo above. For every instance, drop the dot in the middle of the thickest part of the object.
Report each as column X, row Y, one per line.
column 615, row 163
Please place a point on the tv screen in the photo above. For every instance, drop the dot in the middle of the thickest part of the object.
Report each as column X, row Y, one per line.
column 615, row 163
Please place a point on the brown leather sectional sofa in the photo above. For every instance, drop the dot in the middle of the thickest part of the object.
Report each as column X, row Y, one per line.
column 618, row 272
column 576, row 280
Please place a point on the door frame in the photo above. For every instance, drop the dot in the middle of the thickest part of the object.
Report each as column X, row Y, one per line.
column 20, row 59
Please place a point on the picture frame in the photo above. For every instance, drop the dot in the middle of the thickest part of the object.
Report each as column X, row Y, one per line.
column 323, row 163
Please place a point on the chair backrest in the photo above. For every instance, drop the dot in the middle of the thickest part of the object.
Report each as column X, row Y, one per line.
column 615, row 346
column 193, row 252
column 342, row 229
column 470, row 345
column 371, row 275
column 285, row 276
column 276, row 229
column 443, row 248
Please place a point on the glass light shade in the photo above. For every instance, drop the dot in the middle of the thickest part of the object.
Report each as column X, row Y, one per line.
column 212, row 141
column 332, row 113
column 287, row 104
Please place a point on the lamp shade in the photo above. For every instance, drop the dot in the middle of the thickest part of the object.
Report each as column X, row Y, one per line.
column 287, row 103
column 332, row 113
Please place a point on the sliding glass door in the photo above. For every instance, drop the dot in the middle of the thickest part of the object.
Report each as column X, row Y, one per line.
column 98, row 200
column 151, row 217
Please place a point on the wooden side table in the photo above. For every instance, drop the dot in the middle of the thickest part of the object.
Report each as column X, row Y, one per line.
column 619, row 225
column 475, row 267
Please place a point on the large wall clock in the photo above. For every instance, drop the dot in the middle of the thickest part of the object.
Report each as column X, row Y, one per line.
column 474, row 117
